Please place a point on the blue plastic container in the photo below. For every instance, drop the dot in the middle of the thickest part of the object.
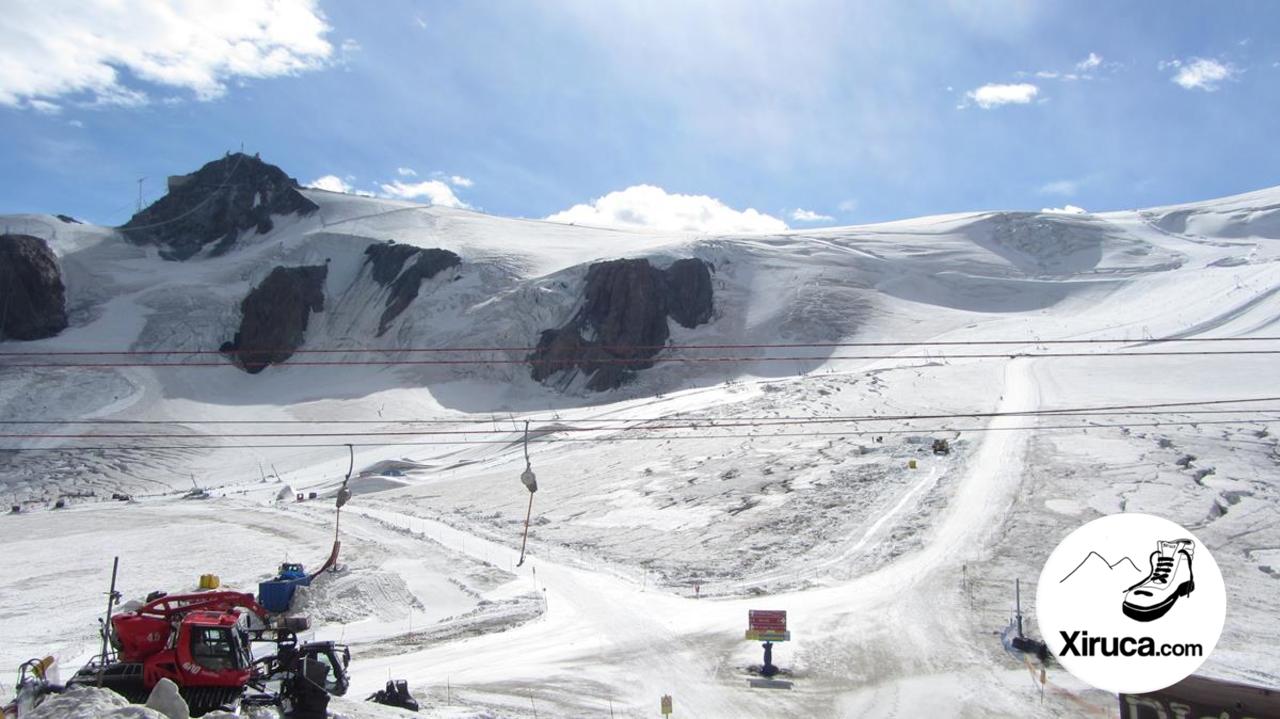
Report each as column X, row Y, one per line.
column 276, row 596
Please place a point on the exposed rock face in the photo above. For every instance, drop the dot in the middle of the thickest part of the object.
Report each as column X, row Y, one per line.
column 215, row 205
column 275, row 317
column 688, row 285
column 33, row 300
column 625, row 308
column 403, row 268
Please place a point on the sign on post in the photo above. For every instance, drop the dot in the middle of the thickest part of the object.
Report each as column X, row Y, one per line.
column 767, row 625
column 1201, row 696
column 666, row 705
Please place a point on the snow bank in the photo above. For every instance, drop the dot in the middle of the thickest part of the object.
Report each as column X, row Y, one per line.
column 92, row 703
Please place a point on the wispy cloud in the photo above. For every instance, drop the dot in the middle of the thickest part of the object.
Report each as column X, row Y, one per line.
column 83, row 50
column 1086, row 69
column 1065, row 188
column 650, row 207
column 1093, row 62
column 801, row 215
column 994, row 94
column 44, row 107
column 406, row 172
column 1200, row 73
column 460, row 181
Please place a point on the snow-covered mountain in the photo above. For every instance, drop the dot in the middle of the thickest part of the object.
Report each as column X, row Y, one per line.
column 894, row 576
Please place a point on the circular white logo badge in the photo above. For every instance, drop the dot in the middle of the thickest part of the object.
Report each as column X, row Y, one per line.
column 1130, row 603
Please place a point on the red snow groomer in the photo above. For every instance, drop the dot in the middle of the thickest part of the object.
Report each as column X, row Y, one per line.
column 203, row 642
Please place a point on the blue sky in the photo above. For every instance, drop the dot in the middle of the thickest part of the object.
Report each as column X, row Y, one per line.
column 857, row 112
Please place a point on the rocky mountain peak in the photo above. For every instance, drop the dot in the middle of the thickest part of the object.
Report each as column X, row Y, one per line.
column 215, row 205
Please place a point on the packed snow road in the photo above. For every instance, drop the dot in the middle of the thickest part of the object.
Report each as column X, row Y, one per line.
column 606, row 639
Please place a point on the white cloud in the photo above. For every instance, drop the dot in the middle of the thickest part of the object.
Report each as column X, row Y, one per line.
column 1066, row 188
column 434, row 191
column 847, row 205
column 1201, row 73
column 460, row 181
column 646, row 206
column 800, row 215
column 993, row 95
column 1089, row 63
column 1066, row 210
column 56, row 48
column 332, row 183
column 44, row 107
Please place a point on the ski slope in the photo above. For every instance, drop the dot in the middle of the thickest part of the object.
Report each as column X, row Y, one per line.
column 895, row 579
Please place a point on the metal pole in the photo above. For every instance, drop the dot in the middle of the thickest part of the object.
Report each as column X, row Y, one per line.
column 768, row 669
column 1017, row 598
column 106, row 625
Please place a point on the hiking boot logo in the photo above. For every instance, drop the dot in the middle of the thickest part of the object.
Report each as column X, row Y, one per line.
column 1105, row 603
column 1170, row 578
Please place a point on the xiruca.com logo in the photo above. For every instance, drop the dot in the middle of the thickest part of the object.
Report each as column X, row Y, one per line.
column 1080, row 644
column 1131, row 603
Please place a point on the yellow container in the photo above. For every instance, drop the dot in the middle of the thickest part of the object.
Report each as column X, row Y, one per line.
column 209, row 581
column 911, row 464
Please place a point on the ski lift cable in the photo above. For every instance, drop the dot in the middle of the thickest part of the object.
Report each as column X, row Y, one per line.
column 1263, row 414
column 625, row 348
column 671, row 437
column 1266, row 416
column 1159, row 408
column 572, row 362
column 531, row 483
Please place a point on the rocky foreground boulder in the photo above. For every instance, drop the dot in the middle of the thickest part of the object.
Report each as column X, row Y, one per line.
column 403, row 268
column 275, row 315
column 215, row 205
column 625, row 308
column 33, row 300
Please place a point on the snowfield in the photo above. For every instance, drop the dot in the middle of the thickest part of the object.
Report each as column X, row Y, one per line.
column 648, row 547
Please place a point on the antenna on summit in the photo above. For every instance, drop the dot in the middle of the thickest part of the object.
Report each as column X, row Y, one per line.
column 140, row 179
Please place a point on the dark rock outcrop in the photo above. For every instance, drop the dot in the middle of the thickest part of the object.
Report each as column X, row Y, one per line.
column 33, row 300
column 392, row 268
column 215, row 205
column 275, row 316
column 625, row 308
column 688, row 291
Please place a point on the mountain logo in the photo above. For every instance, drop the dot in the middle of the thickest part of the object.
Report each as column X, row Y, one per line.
column 1119, row 563
column 1129, row 625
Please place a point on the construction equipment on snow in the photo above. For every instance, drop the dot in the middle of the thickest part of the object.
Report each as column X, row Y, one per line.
column 395, row 695
column 203, row 643
column 276, row 595
column 1012, row 636
column 941, row 446
column 34, row 683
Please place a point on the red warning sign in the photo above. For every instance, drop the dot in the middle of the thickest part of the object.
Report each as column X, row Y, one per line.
column 767, row 625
